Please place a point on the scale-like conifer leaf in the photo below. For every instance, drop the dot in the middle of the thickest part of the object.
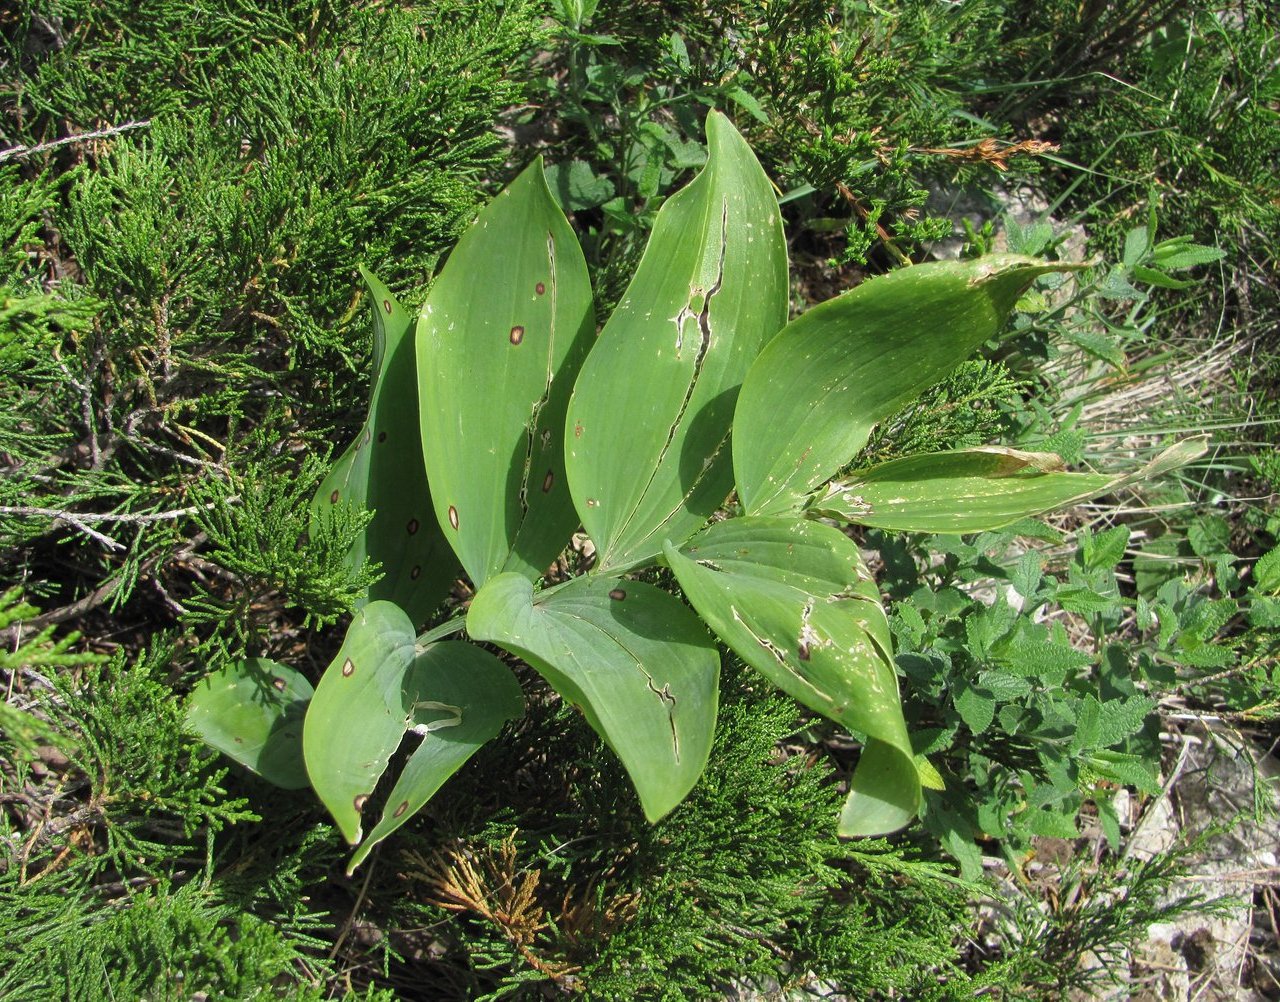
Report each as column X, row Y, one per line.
column 648, row 425
column 252, row 712
column 499, row 341
column 793, row 599
column 382, row 471
column 633, row 658
column 819, row 387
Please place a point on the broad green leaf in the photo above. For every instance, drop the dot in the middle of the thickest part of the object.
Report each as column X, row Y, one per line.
column 815, row 392
column 252, row 712
column 648, row 425
column 500, row 337
column 794, row 600
column 972, row 490
column 382, row 470
column 381, row 685
column 633, row 658
column 462, row 695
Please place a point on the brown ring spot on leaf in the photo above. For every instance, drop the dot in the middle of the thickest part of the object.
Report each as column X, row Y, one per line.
column 386, row 305
column 617, row 594
column 382, row 436
column 414, row 572
column 400, row 809
column 360, row 801
column 453, row 516
column 540, row 288
column 279, row 684
column 348, row 666
column 333, row 498
column 577, row 430
column 547, row 481
column 412, row 527
column 517, row 334
column 802, row 651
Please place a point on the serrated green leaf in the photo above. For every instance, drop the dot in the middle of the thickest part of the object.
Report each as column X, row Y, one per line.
column 793, row 599
column 648, row 425
column 1208, row 656
column 1088, row 724
column 1159, row 279
column 1104, row 550
column 1044, row 659
column 1122, row 718
column 382, row 471
column 1264, row 613
column 1209, row 536
column 1109, row 822
column 500, row 338
column 1049, row 823
column 1175, row 256
column 252, row 712
column 1084, row 601
column 1137, row 244
column 1027, row 574
column 633, row 658
column 814, row 394
column 379, row 686
column 976, row 706
column 1124, row 768
column 1005, row 686
column 1098, row 345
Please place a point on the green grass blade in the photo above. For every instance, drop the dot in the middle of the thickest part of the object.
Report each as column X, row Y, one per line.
column 794, row 600
column 635, row 660
column 499, row 341
column 382, row 470
column 252, row 712
column 815, row 392
column 648, row 457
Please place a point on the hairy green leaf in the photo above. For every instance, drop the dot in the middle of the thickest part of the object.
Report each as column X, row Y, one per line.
column 252, row 712
column 382, row 470
column 633, row 658
column 815, row 392
column 500, row 338
column 794, row 600
column 648, row 424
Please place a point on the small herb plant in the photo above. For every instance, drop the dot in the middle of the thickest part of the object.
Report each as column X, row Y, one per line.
column 504, row 422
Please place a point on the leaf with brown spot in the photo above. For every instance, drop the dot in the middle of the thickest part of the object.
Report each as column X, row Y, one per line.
column 495, row 367
column 252, row 712
column 385, row 473
column 455, row 695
